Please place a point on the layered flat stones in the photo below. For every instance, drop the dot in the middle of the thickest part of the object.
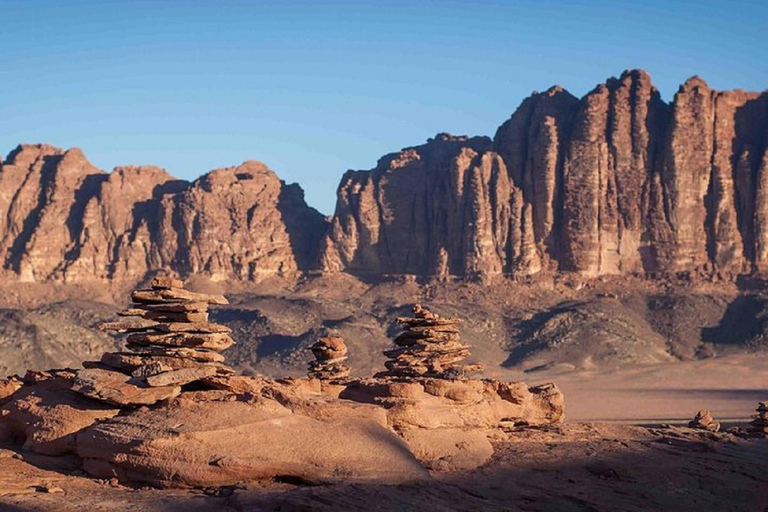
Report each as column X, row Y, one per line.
column 428, row 347
column 758, row 427
column 330, row 355
column 170, row 344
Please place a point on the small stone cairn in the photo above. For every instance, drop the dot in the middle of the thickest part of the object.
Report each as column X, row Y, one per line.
column 330, row 353
column 759, row 425
column 429, row 347
column 169, row 343
column 704, row 421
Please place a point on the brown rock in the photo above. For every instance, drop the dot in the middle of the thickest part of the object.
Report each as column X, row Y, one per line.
column 704, row 420
column 181, row 377
column 163, row 282
column 449, row 449
column 175, row 307
column 129, row 326
column 8, row 387
column 176, row 352
column 65, row 220
column 214, row 341
column 129, row 362
column 47, row 416
column 195, row 327
column 175, row 295
column 222, row 443
column 119, row 389
column 168, row 316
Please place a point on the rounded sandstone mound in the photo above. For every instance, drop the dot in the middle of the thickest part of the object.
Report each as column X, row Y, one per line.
column 219, row 443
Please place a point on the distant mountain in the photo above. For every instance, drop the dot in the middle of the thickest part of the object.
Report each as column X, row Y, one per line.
column 616, row 182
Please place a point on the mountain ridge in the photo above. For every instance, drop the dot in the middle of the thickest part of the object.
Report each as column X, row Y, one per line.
column 615, row 182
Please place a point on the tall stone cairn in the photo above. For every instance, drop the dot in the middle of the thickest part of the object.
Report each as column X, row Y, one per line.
column 330, row 353
column 758, row 427
column 428, row 347
column 170, row 343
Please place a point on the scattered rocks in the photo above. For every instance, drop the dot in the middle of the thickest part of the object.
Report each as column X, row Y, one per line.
column 759, row 425
column 429, row 347
column 704, row 420
column 330, row 353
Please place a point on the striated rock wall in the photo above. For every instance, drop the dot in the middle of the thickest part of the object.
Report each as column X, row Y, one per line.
column 617, row 182
column 61, row 219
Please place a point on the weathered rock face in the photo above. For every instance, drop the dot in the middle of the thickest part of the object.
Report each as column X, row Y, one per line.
column 616, row 182
column 447, row 207
column 224, row 443
column 61, row 219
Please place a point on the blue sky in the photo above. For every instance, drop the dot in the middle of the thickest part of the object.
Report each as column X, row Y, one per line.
column 314, row 88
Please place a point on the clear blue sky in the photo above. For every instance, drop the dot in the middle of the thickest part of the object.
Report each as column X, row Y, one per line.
column 313, row 88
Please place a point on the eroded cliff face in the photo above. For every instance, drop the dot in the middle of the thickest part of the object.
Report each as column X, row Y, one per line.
column 61, row 219
column 617, row 182
column 448, row 207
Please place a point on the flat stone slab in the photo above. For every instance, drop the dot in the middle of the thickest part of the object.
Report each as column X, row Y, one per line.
column 119, row 389
column 201, row 327
column 176, row 295
column 128, row 362
column 179, row 352
column 181, row 377
column 212, row 341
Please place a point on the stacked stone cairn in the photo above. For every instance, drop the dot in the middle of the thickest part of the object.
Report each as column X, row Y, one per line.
column 330, row 353
column 429, row 347
column 704, row 421
column 170, row 343
column 759, row 425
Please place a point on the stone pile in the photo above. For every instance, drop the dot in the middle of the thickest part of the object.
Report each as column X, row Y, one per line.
column 704, row 420
column 429, row 347
column 759, row 425
column 330, row 353
column 170, row 344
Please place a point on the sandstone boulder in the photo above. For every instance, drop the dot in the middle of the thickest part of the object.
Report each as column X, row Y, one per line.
column 47, row 416
column 220, row 443
column 449, row 449
column 8, row 387
column 120, row 389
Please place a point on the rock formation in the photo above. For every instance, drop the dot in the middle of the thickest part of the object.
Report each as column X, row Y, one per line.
column 704, row 421
column 168, row 412
column 758, row 427
column 617, row 182
column 330, row 353
column 170, row 344
column 61, row 219
column 429, row 347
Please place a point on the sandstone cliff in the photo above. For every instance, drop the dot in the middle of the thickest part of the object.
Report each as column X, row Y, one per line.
column 61, row 219
column 616, row 182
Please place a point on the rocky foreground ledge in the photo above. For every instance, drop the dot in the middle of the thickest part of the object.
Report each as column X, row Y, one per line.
column 249, row 429
column 169, row 413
